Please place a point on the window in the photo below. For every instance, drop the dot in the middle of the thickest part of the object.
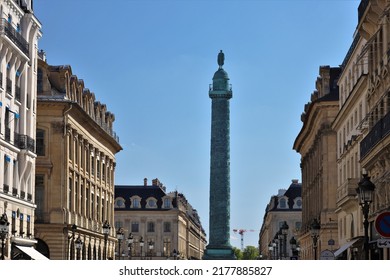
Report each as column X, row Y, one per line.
column 92, row 165
column 298, row 226
column 282, row 203
column 39, row 197
column 134, row 227
column 40, row 140
column 21, row 231
column 150, row 226
column 167, row 227
column 120, row 202
column 70, row 193
column 151, row 203
column 297, row 203
column 13, row 223
column 167, row 203
column 135, row 202
column 28, row 226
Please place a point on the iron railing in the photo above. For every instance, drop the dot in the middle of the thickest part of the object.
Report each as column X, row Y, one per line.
column 24, row 142
column 379, row 131
column 17, row 38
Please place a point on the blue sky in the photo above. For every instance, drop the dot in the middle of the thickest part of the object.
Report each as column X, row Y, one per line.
column 151, row 62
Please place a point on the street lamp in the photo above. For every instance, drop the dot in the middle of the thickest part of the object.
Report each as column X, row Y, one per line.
column 78, row 244
column 280, row 238
column 74, row 228
column 270, row 249
column 141, row 243
column 130, row 241
column 106, row 231
column 120, row 235
column 151, row 246
column 175, row 254
column 284, row 229
column 4, row 226
column 315, row 233
column 293, row 245
column 365, row 192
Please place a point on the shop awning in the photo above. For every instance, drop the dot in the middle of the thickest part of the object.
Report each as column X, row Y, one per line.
column 34, row 254
column 344, row 247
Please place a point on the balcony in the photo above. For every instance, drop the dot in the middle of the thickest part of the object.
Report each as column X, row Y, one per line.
column 8, row 30
column 24, row 142
column 5, row 188
column 347, row 191
column 379, row 131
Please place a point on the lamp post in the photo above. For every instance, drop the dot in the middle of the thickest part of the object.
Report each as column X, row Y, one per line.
column 293, row 245
column 4, row 226
column 284, row 229
column 72, row 243
column 270, row 249
column 315, row 233
column 365, row 192
column 151, row 246
column 120, row 235
column 141, row 243
column 106, row 231
column 280, row 238
column 130, row 241
column 274, row 244
column 78, row 244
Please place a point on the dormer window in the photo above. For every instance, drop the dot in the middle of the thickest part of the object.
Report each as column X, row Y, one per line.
column 135, row 202
column 151, row 203
column 282, row 203
column 298, row 203
column 120, row 202
column 167, row 203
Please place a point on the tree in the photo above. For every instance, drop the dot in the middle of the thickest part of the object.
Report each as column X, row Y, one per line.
column 237, row 253
column 250, row 253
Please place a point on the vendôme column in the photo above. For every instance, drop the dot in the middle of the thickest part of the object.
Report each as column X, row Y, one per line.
column 220, row 92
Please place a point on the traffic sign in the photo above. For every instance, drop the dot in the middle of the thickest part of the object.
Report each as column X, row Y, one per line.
column 383, row 243
column 382, row 224
column 327, row 255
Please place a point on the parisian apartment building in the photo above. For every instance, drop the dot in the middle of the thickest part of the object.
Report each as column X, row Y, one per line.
column 344, row 141
column 281, row 225
column 156, row 224
column 20, row 32
column 75, row 167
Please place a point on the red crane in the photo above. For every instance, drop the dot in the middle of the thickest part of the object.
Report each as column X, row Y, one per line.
column 241, row 232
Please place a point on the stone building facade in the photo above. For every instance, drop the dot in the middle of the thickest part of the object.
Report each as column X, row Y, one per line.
column 374, row 27
column 284, row 207
column 166, row 222
column 75, row 167
column 317, row 142
column 350, row 125
column 19, row 36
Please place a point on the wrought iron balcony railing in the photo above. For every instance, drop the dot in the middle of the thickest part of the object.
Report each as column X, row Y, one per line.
column 379, row 131
column 17, row 38
column 24, row 142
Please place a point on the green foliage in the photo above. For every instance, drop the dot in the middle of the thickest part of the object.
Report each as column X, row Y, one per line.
column 237, row 253
column 250, row 253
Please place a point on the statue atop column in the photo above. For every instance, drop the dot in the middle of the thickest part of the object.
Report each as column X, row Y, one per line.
column 221, row 59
